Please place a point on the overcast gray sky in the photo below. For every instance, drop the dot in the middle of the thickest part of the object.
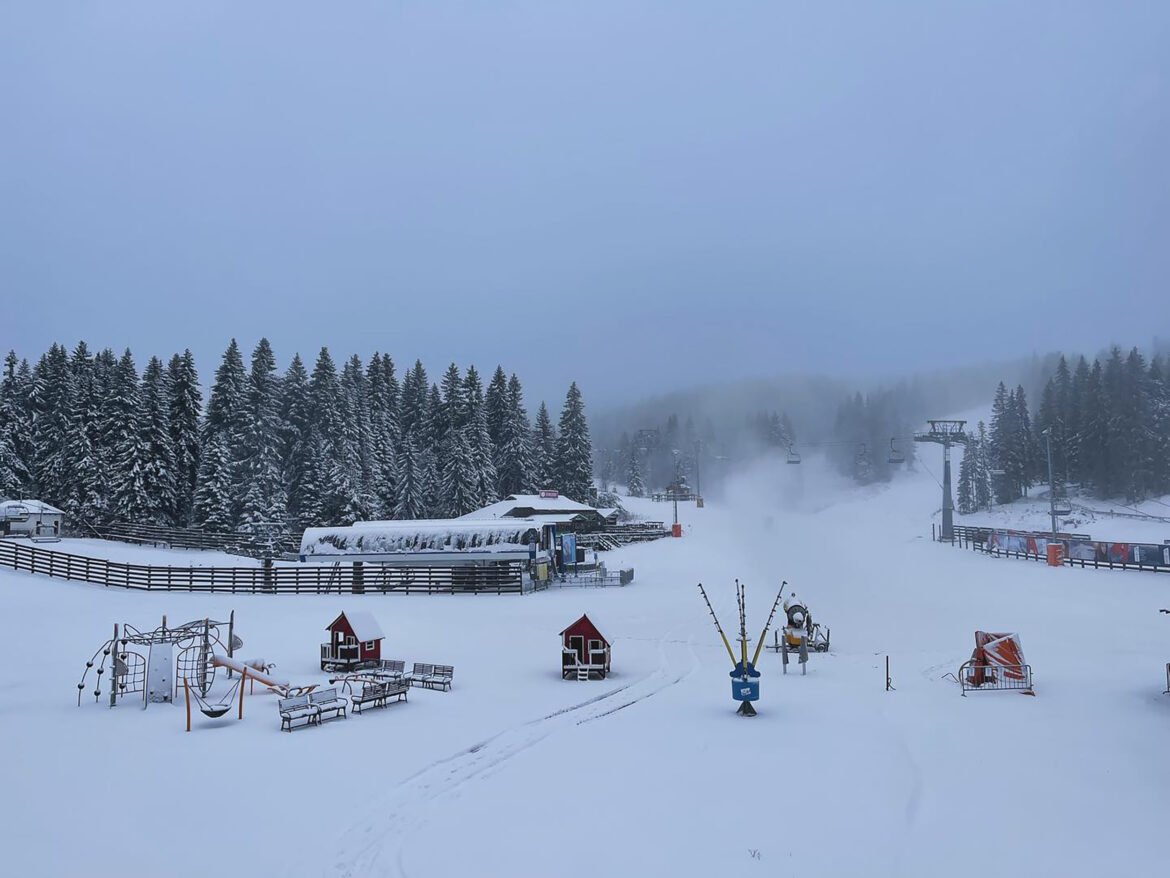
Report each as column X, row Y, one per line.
column 637, row 195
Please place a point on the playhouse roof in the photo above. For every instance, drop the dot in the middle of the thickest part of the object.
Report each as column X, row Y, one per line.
column 588, row 624
column 363, row 623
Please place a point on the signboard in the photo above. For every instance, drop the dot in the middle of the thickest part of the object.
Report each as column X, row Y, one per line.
column 550, row 495
column 568, row 549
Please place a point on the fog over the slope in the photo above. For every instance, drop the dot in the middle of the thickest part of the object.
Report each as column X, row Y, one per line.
column 637, row 195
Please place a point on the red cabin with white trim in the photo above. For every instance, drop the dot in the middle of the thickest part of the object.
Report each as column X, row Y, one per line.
column 584, row 651
column 355, row 642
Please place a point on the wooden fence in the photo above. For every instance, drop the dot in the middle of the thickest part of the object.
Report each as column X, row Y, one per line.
column 249, row 545
column 355, row 578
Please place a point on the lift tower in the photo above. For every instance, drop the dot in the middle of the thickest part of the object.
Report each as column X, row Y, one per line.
column 945, row 433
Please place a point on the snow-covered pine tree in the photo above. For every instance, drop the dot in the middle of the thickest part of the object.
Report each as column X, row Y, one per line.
column 15, row 431
column 383, row 389
column 496, row 409
column 413, row 406
column 966, row 499
column 184, row 409
column 982, row 473
column 259, row 484
column 295, row 419
column 130, row 454
column 479, row 440
column 51, row 399
column 226, row 422
column 1159, row 425
column 574, row 460
column 517, row 471
column 634, row 486
column 159, row 465
column 413, row 501
column 1000, row 440
column 544, row 450
column 458, row 486
column 213, row 494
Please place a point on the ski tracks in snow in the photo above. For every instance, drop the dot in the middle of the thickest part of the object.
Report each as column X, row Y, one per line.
column 374, row 845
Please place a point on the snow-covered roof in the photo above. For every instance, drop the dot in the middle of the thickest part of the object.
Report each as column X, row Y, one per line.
column 12, row 508
column 608, row 513
column 535, row 502
column 364, row 625
column 411, row 537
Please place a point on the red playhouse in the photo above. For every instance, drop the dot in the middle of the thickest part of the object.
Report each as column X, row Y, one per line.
column 584, row 652
column 355, row 642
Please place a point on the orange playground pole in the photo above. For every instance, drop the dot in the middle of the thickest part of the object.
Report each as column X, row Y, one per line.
column 243, row 680
column 187, row 699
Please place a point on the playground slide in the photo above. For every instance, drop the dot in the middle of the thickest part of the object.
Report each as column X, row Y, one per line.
column 222, row 661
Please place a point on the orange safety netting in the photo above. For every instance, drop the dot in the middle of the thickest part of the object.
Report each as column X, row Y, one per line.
column 1000, row 650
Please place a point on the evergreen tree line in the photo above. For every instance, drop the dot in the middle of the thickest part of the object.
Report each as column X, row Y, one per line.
column 865, row 425
column 87, row 433
column 677, row 452
column 1107, row 424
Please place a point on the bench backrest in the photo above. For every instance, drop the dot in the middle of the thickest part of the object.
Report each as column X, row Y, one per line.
column 423, row 670
column 373, row 690
column 293, row 703
column 323, row 695
column 444, row 671
column 392, row 665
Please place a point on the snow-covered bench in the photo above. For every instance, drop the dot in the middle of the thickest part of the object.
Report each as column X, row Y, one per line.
column 431, row 676
column 297, row 709
column 390, row 669
column 379, row 694
column 327, row 701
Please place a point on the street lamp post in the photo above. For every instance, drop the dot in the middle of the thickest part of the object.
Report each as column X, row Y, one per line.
column 1051, row 483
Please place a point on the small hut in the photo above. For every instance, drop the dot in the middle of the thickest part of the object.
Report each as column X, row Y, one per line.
column 355, row 642
column 584, row 652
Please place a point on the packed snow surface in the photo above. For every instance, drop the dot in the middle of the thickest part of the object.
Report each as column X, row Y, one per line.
column 518, row 772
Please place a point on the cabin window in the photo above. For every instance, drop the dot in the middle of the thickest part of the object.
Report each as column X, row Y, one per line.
column 369, row 644
column 594, row 645
column 350, row 640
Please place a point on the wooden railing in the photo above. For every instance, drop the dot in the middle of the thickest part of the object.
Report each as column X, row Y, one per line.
column 247, row 544
column 357, row 578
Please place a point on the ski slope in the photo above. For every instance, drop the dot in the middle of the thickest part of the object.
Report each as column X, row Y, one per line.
column 516, row 772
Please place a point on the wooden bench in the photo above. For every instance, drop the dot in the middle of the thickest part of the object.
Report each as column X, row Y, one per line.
column 431, row 676
column 327, row 701
column 390, row 669
column 297, row 709
column 379, row 695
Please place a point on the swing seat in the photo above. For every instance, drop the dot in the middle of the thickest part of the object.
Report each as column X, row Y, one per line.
column 215, row 712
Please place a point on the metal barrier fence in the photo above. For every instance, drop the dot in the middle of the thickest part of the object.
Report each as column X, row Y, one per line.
column 356, row 578
column 979, row 677
column 1157, row 557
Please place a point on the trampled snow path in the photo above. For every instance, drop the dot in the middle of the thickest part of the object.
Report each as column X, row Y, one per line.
column 375, row 845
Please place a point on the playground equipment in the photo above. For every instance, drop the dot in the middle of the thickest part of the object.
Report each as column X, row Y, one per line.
column 800, row 635
column 745, row 679
column 996, row 664
column 156, row 662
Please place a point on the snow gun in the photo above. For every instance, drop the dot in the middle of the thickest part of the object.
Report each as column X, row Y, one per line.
column 745, row 679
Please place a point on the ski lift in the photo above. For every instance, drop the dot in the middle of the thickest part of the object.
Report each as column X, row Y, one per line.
column 896, row 456
column 793, row 456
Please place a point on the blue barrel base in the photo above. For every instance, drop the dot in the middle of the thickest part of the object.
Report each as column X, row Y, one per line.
column 745, row 709
column 745, row 689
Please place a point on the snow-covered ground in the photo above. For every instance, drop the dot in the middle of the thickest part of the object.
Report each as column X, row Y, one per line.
column 133, row 553
column 516, row 772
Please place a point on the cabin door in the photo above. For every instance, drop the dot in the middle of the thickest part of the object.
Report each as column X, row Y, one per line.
column 577, row 644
